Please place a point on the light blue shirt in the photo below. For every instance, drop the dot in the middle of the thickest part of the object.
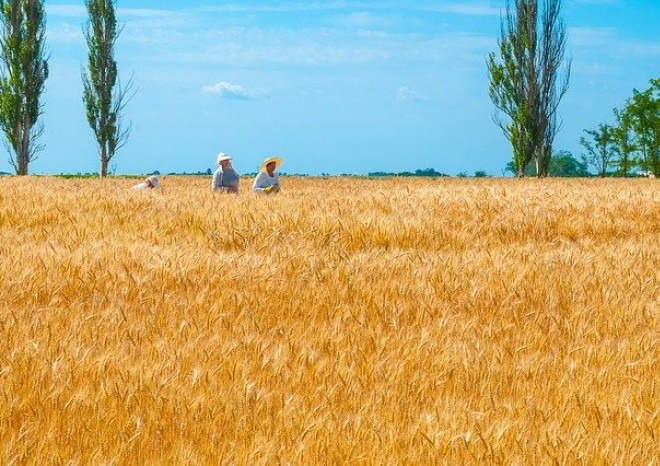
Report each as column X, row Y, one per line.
column 224, row 179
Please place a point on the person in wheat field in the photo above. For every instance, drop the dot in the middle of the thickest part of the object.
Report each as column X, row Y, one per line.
column 225, row 179
column 267, row 181
column 150, row 183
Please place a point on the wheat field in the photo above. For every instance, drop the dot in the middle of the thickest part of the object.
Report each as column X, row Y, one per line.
column 344, row 321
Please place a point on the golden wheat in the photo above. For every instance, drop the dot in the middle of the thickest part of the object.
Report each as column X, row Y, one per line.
column 345, row 321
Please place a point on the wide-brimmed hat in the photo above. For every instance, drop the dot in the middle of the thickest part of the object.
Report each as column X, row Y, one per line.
column 154, row 181
column 278, row 163
column 222, row 157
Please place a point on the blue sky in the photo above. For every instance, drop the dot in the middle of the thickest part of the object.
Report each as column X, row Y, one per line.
column 331, row 86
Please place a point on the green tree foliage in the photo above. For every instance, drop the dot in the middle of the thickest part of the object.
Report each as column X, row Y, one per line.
column 103, row 95
column 562, row 164
column 23, row 74
column 507, row 88
column 634, row 141
column 427, row 172
column 643, row 111
column 530, row 169
column 527, row 82
column 624, row 145
column 600, row 147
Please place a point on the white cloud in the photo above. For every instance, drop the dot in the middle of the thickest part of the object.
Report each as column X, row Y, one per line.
column 233, row 91
column 592, row 37
column 405, row 94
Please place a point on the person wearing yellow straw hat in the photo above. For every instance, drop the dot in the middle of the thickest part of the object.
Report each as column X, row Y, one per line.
column 225, row 179
column 267, row 181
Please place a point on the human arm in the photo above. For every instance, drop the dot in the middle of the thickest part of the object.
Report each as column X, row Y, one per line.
column 259, row 183
column 266, row 184
column 216, row 182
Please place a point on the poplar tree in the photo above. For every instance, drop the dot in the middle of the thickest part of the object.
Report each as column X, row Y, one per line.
column 23, row 73
column 103, row 95
column 526, row 80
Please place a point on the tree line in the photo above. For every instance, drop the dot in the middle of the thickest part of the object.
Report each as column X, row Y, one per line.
column 24, row 70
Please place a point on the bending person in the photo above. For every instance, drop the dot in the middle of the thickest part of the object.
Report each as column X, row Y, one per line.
column 150, row 183
column 267, row 181
column 225, row 179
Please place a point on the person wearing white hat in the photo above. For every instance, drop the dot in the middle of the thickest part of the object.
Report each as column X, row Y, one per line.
column 225, row 179
column 267, row 181
column 150, row 183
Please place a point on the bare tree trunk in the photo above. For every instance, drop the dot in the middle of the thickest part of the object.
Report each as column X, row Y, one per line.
column 21, row 145
column 25, row 144
column 104, row 162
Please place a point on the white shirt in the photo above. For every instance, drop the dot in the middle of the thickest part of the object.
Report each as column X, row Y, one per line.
column 264, row 180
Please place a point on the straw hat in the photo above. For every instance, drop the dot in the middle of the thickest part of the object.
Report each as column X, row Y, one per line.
column 278, row 163
column 222, row 157
column 154, row 181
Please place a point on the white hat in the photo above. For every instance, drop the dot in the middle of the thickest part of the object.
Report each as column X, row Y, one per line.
column 277, row 160
column 222, row 157
column 154, row 181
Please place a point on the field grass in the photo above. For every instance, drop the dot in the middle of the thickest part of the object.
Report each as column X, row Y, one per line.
column 345, row 321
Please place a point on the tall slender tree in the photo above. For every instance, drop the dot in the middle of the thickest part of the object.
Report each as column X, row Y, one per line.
column 104, row 97
column 23, row 74
column 553, row 80
column 527, row 82
column 507, row 87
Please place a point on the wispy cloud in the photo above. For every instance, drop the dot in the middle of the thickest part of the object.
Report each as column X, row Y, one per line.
column 341, row 32
column 228, row 90
column 148, row 13
column 406, row 94
column 362, row 20
column 464, row 8
column 597, row 2
column 79, row 11
column 612, row 43
column 592, row 37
